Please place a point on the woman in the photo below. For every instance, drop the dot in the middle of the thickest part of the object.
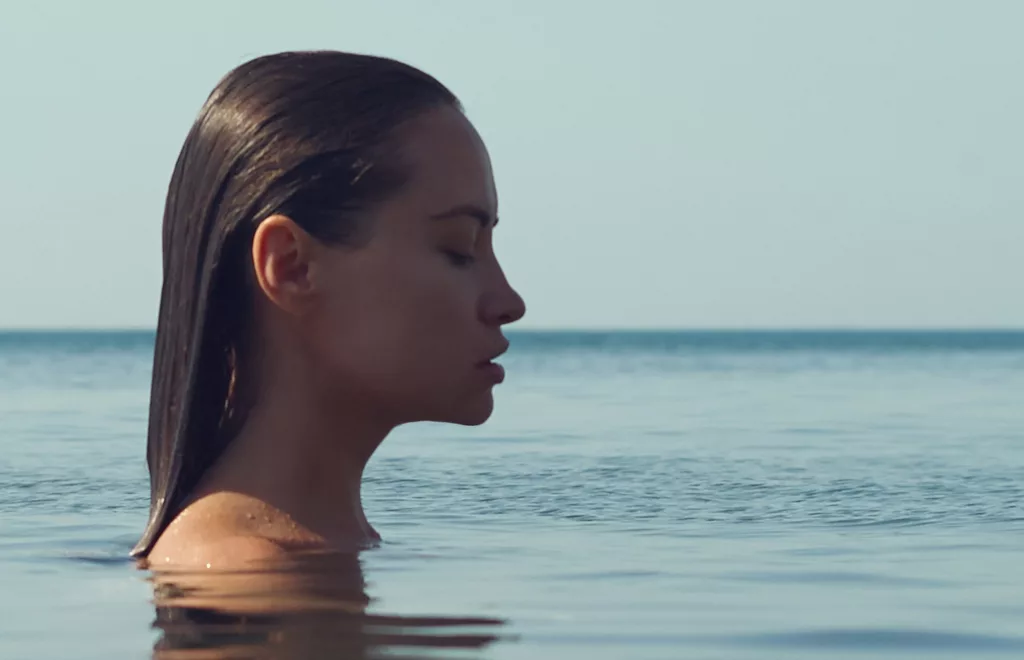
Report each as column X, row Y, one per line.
column 328, row 276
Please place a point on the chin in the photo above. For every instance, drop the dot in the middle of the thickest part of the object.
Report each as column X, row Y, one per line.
column 471, row 413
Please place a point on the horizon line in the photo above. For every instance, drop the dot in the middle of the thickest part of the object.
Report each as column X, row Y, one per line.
column 588, row 329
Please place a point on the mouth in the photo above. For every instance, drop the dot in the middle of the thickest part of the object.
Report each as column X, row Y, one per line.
column 492, row 369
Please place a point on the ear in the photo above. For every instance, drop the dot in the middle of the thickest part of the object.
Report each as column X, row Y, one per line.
column 282, row 254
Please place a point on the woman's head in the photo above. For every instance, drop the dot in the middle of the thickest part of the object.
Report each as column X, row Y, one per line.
column 330, row 218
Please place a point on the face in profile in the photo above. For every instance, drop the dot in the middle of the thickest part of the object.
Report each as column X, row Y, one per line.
column 406, row 324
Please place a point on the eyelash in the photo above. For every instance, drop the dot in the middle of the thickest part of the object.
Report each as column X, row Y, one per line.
column 458, row 259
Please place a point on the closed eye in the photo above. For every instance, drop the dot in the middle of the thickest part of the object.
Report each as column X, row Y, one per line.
column 459, row 259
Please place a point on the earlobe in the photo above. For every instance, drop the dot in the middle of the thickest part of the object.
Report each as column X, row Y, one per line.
column 281, row 258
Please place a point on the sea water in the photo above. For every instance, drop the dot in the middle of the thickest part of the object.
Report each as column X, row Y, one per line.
column 635, row 495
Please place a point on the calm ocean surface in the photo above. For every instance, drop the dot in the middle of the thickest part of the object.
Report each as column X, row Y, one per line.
column 636, row 495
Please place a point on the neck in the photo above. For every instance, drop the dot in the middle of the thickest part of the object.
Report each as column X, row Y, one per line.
column 305, row 458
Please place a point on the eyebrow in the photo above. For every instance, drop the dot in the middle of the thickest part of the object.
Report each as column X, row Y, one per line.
column 479, row 213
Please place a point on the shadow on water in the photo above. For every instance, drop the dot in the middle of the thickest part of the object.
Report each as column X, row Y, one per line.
column 312, row 606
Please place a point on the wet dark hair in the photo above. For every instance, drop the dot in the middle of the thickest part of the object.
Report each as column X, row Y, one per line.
column 303, row 134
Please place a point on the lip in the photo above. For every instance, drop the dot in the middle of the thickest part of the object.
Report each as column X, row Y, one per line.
column 496, row 354
column 494, row 371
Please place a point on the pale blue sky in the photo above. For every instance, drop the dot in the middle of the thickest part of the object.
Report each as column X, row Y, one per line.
column 660, row 164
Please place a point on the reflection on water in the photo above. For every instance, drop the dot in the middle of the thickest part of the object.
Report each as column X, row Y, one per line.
column 312, row 606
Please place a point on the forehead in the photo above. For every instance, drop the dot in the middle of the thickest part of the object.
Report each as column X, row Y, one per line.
column 449, row 162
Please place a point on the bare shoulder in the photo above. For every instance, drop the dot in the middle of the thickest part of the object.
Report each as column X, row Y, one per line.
column 217, row 552
column 213, row 533
column 239, row 552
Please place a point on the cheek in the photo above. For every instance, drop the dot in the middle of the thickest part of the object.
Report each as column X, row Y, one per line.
column 398, row 328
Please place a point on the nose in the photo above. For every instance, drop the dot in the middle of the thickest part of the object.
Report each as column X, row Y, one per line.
column 502, row 304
